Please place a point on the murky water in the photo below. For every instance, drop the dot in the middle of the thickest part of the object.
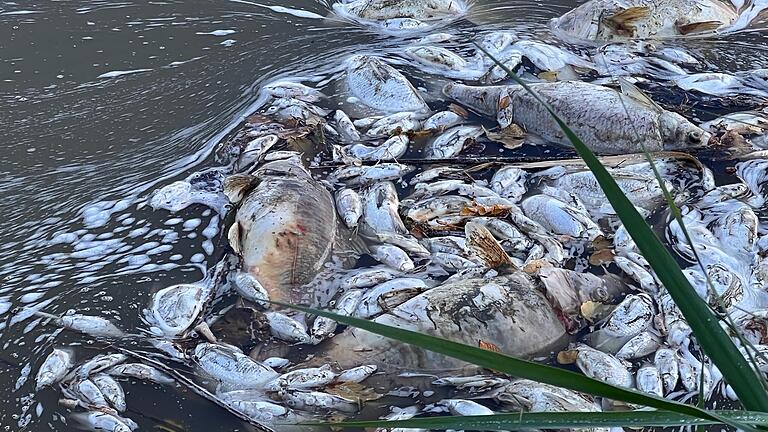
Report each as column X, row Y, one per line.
column 104, row 101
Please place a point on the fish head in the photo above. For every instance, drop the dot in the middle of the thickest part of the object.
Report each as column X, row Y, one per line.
column 292, row 166
column 678, row 133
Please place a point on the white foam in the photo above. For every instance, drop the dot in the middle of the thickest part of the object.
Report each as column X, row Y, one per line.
column 218, row 32
column 117, row 73
column 280, row 9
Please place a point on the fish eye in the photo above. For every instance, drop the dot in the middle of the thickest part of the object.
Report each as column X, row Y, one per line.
column 694, row 136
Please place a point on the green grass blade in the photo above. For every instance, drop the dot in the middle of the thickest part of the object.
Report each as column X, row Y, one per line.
column 705, row 325
column 520, row 368
column 556, row 420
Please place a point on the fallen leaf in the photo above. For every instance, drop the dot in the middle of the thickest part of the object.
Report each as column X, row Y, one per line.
column 488, row 346
column 534, row 266
column 511, row 137
column 601, row 257
column 354, row 391
column 567, row 357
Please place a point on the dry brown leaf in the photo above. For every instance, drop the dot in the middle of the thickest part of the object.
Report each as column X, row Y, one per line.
column 488, row 346
column 534, row 266
column 511, row 137
column 601, row 257
column 458, row 110
column 567, row 357
column 480, row 210
column 354, row 391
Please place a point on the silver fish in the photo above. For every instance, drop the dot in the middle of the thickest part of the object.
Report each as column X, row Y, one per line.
column 100, row 421
column 395, row 124
column 369, row 305
column 392, row 256
column 285, row 227
column 463, row 407
column 382, row 87
column 140, row 371
column 391, row 149
column 175, row 309
column 346, row 127
column 231, row 367
column 286, row 328
column 665, row 361
column 90, row 394
column 368, row 277
column 438, row 206
column 612, row 20
column 406, row 243
column 350, row 206
column 635, row 120
column 90, row 325
column 604, row 367
column 289, row 89
column 54, row 368
column 322, row 328
column 451, row 142
column 255, row 150
column 251, row 289
column 443, row 120
column 357, row 374
column 366, row 175
column 509, row 182
column 438, row 59
column 560, row 218
column 303, row 379
column 112, row 391
column 99, row 363
column 649, row 380
column 415, row 9
column 276, row 362
column 645, row 343
column 314, row 401
column 381, row 207
column 540, row 397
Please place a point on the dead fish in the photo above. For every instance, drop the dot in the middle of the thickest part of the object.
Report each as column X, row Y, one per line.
column 286, row 328
column 250, row 289
column 381, row 206
column 509, row 182
column 112, row 391
column 140, row 371
column 365, row 175
column 370, row 305
column 314, row 401
column 285, row 227
column 90, row 325
column 414, row 9
column 346, row 127
column 90, row 394
column 350, row 206
column 392, row 256
column 618, row 123
column 604, row 367
column 100, row 421
column 612, row 20
column 443, row 120
column 451, row 142
column 54, row 368
column 391, row 149
column 463, row 407
column 357, row 374
column 560, row 218
column 723, row 84
column 99, row 363
column 175, row 309
column 501, row 310
column 231, row 367
column 304, row 379
column 441, row 61
column 382, row 87
column 295, row 90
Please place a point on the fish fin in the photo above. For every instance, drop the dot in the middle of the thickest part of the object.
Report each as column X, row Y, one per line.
column 236, row 186
column 482, row 243
column 233, row 235
column 698, row 27
column 630, row 90
column 628, row 15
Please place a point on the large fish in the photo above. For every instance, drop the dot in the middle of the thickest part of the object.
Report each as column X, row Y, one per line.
column 382, row 87
column 612, row 20
column 285, row 228
column 507, row 312
column 390, row 9
column 607, row 121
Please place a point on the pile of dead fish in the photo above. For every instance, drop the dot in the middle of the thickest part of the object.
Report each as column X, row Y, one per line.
column 410, row 210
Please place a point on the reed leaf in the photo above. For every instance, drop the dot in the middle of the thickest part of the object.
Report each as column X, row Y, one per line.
column 715, row 342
